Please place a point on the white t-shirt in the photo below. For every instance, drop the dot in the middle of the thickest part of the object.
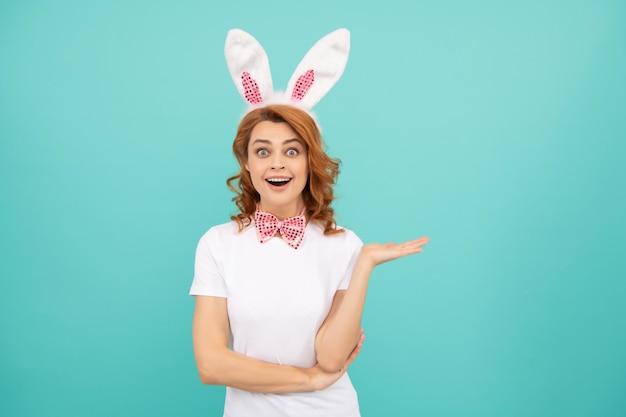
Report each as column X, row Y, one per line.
column 278, row 298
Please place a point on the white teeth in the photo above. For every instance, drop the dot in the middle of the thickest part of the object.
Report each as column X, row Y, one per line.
column 278, row 179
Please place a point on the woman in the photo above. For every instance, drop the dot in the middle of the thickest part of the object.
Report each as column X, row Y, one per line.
column 293, row 302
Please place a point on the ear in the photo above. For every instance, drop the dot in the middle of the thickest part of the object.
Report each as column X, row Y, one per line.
column 248, row 66
column 320, row 68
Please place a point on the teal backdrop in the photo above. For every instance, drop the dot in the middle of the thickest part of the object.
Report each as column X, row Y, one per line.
column 494, row 127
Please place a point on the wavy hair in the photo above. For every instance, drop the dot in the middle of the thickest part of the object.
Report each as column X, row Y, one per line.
column 318, row 192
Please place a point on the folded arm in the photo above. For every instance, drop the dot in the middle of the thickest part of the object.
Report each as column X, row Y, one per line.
column 341, row 330
column 219, row 365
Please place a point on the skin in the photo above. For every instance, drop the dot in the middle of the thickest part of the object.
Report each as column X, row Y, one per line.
column 275, row 151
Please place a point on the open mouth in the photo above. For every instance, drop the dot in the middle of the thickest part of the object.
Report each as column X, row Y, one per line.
column 278, row 182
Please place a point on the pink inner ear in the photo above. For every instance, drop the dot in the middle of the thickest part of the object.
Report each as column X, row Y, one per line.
column 251, row 89
column 303, row 85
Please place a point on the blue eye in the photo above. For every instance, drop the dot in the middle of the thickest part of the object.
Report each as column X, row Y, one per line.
column 262, row 153
column 292, row 152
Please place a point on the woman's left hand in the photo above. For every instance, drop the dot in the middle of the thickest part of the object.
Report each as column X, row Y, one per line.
column 376, row 253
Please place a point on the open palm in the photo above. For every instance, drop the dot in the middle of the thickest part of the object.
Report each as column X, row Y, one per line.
column 377, row 253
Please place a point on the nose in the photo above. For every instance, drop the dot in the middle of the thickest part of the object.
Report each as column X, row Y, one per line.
column 277, row 161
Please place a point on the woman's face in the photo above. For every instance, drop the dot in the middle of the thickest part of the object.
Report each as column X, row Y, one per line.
column 279, row 168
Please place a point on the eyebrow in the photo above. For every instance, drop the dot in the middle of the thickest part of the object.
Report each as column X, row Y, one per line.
column 284, row 143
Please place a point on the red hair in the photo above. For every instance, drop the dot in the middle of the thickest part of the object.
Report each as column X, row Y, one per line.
column 318, row 193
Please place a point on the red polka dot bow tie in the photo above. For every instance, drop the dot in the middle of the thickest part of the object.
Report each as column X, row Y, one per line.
column 291, row 229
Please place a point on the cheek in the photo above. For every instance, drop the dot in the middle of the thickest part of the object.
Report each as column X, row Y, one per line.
column 254, row 174
column 252, row 167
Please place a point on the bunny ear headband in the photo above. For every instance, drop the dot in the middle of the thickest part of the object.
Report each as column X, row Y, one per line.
column 316, row 74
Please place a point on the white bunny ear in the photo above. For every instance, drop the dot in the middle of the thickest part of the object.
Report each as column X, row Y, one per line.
column 248, row 65
column 320, row 69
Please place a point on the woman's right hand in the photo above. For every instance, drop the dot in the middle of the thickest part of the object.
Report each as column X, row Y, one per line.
column 321, row 379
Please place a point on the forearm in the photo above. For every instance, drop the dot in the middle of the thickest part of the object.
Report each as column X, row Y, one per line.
column 341, row 331
column 226, row 367
column 219, row 365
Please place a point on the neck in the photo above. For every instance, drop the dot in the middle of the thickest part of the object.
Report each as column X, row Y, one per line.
column 283, row 212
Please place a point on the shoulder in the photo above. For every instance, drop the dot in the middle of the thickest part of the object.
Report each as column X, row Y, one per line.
column 222, row 233
column 224, row 228
column 347, row 238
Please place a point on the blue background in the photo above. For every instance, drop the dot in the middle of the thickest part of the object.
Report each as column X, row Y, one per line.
column 494, row 127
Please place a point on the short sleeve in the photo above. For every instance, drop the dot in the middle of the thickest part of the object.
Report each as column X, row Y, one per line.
column 208, row 279
column 352, row 249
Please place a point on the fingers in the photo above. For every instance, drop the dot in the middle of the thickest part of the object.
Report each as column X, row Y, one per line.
column 412, row 246
column 377, row 254
column 418, row 242
column 410, row 243
column 355, row 352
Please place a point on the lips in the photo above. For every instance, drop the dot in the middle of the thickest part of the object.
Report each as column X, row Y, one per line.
column 278, row 181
